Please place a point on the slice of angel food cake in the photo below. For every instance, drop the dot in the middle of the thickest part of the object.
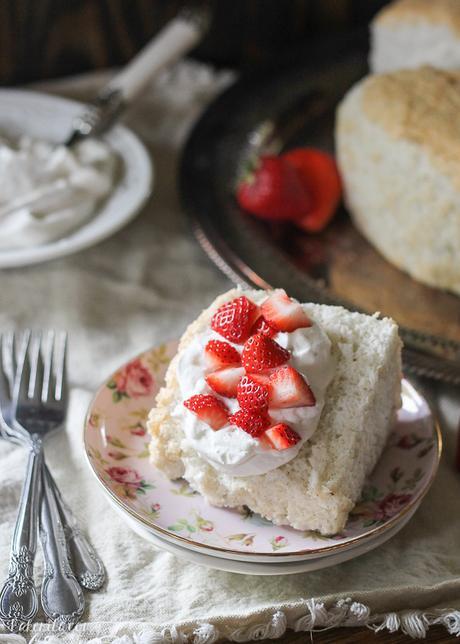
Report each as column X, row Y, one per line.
column 279, row 406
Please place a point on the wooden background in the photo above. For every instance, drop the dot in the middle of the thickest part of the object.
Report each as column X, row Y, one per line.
column 50, row 38
column 360, row 636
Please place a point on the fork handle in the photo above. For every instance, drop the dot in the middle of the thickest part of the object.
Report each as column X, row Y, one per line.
column 86, row 563
column 61, row 595
column 18, row 597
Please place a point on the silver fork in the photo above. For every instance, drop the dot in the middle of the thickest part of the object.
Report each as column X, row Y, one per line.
column 39, row 407
column 86, row 563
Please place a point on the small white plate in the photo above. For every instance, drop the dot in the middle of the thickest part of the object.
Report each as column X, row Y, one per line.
column 50, row 118
column 267, row 568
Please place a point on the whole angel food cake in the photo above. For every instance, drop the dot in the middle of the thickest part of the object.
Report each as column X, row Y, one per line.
column 279, row 406
column 398, row 149
column 410, row 33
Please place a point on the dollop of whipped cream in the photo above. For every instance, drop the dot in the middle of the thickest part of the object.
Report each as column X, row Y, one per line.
column 66, row 185
column 231, row 449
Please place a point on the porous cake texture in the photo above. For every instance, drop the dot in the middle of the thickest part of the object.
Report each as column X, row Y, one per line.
column 318, row 488
column 398, row 149
column 410, row 33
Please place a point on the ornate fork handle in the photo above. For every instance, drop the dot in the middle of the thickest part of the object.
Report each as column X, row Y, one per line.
column 18, row 597
column 86, row 564
column 61, row 595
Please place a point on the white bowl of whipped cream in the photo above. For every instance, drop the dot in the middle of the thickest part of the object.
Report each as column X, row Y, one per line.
column 56, row 200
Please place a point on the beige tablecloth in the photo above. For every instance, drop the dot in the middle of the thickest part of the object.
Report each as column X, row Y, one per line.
column 120, row 297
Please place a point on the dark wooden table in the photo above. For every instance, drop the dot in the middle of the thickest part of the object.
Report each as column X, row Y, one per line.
column 358, row 636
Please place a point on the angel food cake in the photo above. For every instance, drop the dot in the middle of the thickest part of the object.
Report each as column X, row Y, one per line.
column 398, row 149
column 279, row 406
column 410, row 33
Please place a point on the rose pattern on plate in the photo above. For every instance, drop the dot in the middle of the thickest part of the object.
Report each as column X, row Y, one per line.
column 411, row 441
column 94, row 420
column 134, row 380
column 151, row 511
column 117, row 445
column 137, row 425
column 390, row 505
column 129, row 481
column 244, row 538
column 279, row 542
column 196, row 524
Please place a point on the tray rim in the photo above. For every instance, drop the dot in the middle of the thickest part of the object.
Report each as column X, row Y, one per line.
column 440, row 355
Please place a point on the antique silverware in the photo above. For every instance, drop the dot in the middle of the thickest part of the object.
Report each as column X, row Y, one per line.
column 39, row 407
column 18, row 596
column 86, row 564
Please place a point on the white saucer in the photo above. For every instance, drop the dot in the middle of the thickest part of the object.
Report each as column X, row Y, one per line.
column 251, row 568
column 50, row 117
column 116, row 444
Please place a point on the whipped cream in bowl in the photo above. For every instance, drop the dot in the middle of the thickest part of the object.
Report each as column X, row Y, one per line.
column 47, row 190
column 110, row 179
column 231, row 449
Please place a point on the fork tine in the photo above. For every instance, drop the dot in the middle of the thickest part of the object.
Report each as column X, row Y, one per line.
column 36, row 368
column 5, row 388
column 22, row 381
column 48, row 362
column 60, row 361
column 8, row 360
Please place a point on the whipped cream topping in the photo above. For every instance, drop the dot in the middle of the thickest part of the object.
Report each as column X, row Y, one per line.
column 66, row 186
column 231, row 449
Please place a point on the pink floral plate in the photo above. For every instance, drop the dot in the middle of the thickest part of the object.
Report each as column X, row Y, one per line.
column 116, row 444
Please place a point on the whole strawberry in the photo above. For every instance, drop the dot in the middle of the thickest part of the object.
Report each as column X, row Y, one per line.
column 273, row 190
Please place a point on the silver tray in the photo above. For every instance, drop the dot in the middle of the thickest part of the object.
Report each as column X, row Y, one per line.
column 293, row 103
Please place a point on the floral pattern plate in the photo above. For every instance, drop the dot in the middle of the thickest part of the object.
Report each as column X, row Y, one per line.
column 272, row 567
column 116, row 443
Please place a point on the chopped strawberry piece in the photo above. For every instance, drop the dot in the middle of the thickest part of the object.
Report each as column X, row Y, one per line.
column 251, row 395
column 261, row 378
column 319, row 173
column 252, row 423
column 218, row 354
column 225, row 381
column 284, row 314
column 288, row 388
column 274, row 190
column 209, row 409
column 261, row 353
column 234, row 319
column 262, row 326
column 281, row 436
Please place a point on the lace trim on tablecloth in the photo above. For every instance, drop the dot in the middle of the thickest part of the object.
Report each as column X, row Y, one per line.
column 317, row 617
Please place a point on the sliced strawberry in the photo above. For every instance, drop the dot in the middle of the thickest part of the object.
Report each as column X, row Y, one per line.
column 251, row 395
column 234, row 319
column 288, row 388
column 218, row 355
column 284, row 314
column 261, row 378
column 261, row 353
column 281, row 436
column 261, row 326
column 209, row 409
column 225, row 381
column 319, row 173
column 273, row 190
column 252, row 423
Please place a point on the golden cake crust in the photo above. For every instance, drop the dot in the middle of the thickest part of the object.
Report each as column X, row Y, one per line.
column 407, row 105
column 436, row 12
